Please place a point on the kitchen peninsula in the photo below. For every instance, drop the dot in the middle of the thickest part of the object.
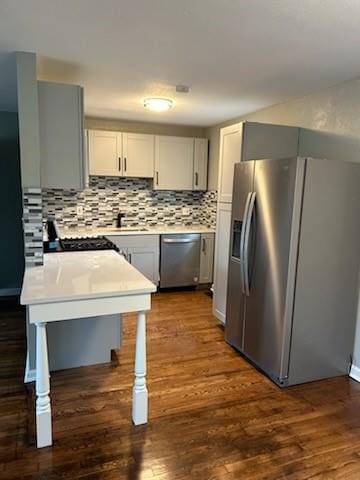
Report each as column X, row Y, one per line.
column 77, row 285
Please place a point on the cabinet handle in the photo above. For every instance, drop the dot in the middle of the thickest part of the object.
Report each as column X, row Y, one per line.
column 125, row 164
column 196, row 179
column 203, row 245
column 157, row 178
column 119, row 164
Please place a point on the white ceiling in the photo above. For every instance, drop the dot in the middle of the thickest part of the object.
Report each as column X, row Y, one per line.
column 236, row 55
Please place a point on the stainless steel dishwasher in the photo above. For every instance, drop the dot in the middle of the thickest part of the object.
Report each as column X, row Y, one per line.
column 179, row 260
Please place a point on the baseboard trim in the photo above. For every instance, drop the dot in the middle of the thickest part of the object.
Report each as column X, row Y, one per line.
column 220, row 316
column 30, row 375
column 355, row 373
column 9, row 292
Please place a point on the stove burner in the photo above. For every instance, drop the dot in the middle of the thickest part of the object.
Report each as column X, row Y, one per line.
column 86, row 243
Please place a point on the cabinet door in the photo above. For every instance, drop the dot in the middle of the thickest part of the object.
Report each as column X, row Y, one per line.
column 206, row 257
column 146, row 260
column 138, row 155
column 230, row 153
column 174, row 160
column 61, row 124
column 105, row 157
column 221, row 263
column 200, row 163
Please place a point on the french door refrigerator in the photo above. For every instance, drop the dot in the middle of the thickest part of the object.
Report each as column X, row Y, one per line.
column 293, row 280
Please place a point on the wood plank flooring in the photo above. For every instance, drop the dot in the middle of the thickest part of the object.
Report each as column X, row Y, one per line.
column 212, row 415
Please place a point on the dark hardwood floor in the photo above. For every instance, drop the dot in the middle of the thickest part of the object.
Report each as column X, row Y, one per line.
column 212, row 415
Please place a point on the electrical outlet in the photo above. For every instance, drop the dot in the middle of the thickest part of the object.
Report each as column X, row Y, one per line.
column 185, row 211
column 79, row 210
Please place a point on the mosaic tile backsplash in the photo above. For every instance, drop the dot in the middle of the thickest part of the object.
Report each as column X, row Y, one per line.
column 32, row 226
column 107, row 196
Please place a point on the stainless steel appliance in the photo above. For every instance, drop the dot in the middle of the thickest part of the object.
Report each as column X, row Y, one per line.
column 179, row 260
column 86, row 243
column 293, row 281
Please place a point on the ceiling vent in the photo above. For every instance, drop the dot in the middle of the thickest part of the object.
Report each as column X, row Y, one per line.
column 182, row 88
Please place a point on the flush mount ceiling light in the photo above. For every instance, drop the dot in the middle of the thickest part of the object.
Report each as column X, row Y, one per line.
column 158, row 104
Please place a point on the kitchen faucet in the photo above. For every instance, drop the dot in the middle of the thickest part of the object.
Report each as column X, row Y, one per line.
column 118, row 219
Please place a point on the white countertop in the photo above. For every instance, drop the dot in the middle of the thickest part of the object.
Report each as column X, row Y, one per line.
column 70, row 276
column 109, row 231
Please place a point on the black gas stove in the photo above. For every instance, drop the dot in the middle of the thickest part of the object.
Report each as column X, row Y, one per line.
column 86, row 243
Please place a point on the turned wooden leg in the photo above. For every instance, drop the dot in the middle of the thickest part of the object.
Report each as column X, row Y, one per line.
column 140, row 393
column 43, row 406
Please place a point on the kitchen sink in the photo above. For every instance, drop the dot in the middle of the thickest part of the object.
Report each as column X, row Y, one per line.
column 127, row 229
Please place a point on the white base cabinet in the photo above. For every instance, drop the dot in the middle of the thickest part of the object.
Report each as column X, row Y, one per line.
column 142, row 251
column 206, row 257
column 221, row 264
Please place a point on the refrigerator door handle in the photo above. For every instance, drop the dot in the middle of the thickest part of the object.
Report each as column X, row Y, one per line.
column 246, row 243
column 242, row 241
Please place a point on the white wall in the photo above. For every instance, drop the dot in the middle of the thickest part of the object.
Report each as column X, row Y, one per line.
column 143, row 127
column 334, row 113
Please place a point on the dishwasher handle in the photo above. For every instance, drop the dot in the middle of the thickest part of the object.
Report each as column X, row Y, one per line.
column 179, row 240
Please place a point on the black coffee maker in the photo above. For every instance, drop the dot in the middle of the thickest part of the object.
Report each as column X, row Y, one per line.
column 52, row 242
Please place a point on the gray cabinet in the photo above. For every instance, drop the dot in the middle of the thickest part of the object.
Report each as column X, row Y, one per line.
column 206, row 257
column 142, row 251
column 146, row 260
column 61, row 121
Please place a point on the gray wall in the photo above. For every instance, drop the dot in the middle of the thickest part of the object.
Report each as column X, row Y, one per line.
column 11, row 240
column 335, row 112
column 335, row 115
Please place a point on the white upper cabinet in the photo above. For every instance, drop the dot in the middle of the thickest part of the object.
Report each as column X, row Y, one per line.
column 138, row 155
column 105, row 152
column 200, row 164
column 174, row 163
column 120, row 154
column 62, row 145
column 230, row 153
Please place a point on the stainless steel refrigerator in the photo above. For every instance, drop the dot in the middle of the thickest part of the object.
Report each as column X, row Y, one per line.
column 293, row 281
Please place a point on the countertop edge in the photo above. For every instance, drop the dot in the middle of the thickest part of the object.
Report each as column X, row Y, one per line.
column 111, row 232
column 72, row 298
